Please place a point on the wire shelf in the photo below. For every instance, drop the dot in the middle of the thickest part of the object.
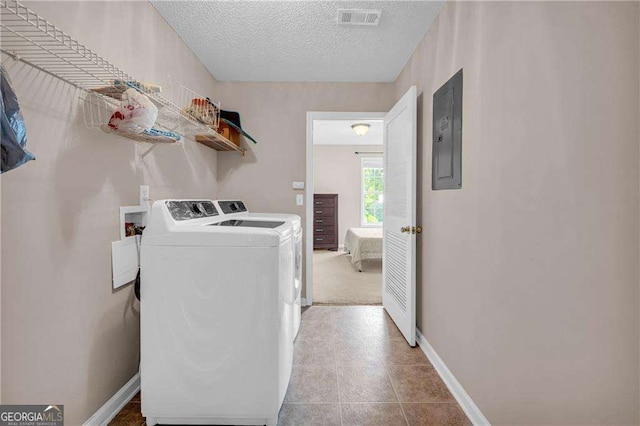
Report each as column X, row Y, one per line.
column 27, row 37
column 199, row 107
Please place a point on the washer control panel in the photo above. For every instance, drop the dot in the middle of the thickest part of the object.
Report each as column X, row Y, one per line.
column 232, row 207
column 195, row 209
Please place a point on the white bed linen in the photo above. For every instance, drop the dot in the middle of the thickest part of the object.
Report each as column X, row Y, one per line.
column 363, row 244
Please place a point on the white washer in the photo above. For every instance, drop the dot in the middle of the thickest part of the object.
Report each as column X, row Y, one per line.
column 215, row 316
column 237, row 208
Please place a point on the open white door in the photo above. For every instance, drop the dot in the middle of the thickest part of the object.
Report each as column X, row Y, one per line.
column 399, row 225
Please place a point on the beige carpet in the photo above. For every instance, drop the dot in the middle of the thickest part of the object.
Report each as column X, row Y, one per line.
column 336, row 281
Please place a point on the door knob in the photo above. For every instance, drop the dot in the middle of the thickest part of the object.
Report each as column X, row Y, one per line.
column 406, row 229
column 416, row 229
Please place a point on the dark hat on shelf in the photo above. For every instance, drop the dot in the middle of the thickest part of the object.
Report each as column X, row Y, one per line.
column 232, row 118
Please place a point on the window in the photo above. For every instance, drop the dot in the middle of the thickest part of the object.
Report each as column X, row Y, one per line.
column 372, row 191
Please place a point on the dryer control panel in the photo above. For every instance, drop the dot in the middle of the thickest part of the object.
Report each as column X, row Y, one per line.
column 232, row 207
column 194, row 209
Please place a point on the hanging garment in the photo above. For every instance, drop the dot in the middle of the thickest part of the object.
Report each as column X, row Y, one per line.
column 14, row 133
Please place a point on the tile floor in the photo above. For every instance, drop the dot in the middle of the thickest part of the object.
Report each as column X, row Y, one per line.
column 352, row 366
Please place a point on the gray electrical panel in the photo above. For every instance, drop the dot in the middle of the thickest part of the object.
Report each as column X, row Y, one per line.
column 447, row 135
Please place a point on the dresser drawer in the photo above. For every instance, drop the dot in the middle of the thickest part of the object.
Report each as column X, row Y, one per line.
column 321, row 229
column 324, row 239
column 323, row 211
column 324, row 202
column 323, row 221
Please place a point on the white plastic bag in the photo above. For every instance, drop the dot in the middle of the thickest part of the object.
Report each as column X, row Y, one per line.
column 135, row 114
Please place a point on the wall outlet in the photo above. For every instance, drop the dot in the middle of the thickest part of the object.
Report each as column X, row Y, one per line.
column 144, row 195
column 298, row 185
column 299, row 199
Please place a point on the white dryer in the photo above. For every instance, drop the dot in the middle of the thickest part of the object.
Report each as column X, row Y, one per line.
column 215, row 316
column 237, row 209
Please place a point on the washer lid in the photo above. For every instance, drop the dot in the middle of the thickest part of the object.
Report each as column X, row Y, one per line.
column 213, row 234
column 249, row 223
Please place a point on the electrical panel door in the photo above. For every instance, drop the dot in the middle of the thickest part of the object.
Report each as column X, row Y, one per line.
column 447, row 135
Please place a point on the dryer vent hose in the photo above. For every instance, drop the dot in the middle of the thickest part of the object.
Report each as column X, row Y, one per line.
column 136, row 286
column 138, row 230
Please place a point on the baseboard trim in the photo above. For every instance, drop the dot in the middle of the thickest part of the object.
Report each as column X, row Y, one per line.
column 108, row 411
column 464, row 400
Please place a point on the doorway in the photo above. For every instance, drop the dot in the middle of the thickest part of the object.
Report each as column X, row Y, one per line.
column 344, row 208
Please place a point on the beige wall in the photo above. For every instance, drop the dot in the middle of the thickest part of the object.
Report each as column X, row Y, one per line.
column 529, row 279
column 275, row 114
column 66, row 337
column 336, row 170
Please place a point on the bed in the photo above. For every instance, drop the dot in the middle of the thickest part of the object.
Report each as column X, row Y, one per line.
column 363, row 244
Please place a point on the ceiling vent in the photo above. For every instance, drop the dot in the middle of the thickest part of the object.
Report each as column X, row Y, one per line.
column 359, row 16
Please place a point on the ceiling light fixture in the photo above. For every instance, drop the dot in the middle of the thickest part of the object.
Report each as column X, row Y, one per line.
column 360, row 129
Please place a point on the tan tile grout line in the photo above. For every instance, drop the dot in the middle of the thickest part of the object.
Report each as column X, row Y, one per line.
column 386, row 369
column 335, row 364
column 430, row 402
column 395, row 392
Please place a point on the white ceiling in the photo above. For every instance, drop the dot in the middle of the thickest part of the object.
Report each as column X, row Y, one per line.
column 339, row 132
column 299, row 40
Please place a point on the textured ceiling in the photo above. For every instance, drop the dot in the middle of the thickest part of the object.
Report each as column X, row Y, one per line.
column 299, row 40
column 339, row 132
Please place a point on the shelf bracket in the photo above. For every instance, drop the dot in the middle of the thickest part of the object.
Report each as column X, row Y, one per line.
column 147, row 152
column 13, row 54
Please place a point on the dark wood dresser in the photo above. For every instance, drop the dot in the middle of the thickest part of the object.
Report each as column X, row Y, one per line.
column 325, row 221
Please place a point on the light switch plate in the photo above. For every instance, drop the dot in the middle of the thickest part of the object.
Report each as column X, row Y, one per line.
column 299, row 199
column 298, row 185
